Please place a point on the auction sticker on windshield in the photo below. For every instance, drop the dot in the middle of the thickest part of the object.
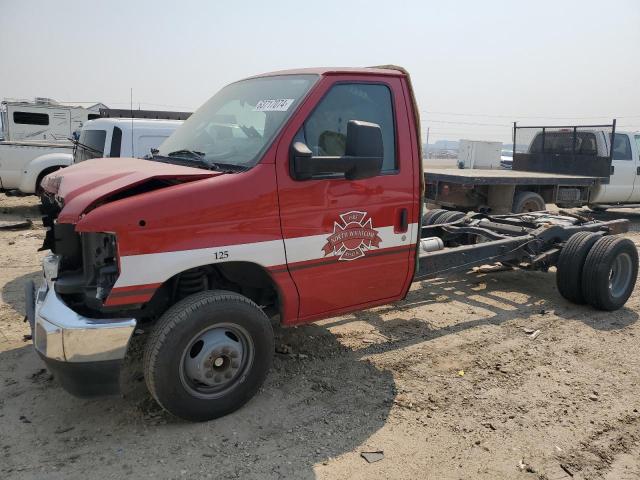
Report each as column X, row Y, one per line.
column 274, row 105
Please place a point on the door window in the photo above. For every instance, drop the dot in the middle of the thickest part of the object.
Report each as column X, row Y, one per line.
column 90, row 145
column 638, row 145
column 621, row 147
column 325, row 131
column 116, row 142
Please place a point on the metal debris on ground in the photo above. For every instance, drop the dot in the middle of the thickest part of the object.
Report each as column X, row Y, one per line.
column 525, row 467
column 499, row 267
column 18, row 225
column 535, row 335
column 372, row 457
column 566, row 469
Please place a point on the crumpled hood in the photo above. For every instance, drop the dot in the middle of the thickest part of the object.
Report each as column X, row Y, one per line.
column 85, row 185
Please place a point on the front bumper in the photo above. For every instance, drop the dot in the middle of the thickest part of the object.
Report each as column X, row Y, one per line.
column 84, row 353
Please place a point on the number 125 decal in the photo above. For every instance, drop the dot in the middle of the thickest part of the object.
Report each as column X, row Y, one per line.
column 221, row 255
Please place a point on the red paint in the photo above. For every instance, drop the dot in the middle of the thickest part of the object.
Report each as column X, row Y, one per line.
column 311, row 207
column 85, row 184
column 263, row 204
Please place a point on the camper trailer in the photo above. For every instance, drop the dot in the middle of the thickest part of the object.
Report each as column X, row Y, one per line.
column 31, row 129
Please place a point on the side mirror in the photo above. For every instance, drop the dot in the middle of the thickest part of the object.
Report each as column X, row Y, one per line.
column 362, row 159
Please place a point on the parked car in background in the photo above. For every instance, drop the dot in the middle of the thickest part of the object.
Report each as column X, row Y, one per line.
column 506, row 159
column 121, row 137
column 30, row 131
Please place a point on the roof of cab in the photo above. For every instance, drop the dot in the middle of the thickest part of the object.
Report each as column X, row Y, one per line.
column 389, row 70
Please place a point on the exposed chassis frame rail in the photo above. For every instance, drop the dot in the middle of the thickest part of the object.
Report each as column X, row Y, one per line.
column 511, row 239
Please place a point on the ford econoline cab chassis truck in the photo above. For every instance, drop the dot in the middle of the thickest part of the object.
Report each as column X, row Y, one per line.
column 295, row 196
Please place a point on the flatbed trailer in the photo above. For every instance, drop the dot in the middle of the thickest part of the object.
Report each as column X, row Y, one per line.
column 503, row 191
column 569, row 166
column 506, row 177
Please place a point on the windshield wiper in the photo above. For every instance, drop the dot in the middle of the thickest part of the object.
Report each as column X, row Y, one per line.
column 184, row 161
column 189, row 153
column 193, row 158
column 77, row 143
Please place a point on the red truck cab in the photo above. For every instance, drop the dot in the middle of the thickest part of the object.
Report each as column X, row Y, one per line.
column 294, row 195
column 303, row 245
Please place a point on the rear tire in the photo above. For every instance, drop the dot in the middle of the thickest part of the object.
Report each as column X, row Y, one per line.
column 571, row 263
column 449, row 217
column 208, row 355
column 528, row 202
column 431, row 216
column 610, row 272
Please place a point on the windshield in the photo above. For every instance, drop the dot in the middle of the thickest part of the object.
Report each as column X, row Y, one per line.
column 236, row 125
column 90, row 145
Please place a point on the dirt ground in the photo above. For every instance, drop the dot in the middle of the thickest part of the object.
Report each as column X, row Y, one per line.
column 447, row 383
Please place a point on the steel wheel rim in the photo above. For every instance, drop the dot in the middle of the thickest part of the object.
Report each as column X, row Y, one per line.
column 215, row 360
column 620, row 275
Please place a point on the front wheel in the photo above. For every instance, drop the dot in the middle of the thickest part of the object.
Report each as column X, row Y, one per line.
column 528, row 202
column 208, row 355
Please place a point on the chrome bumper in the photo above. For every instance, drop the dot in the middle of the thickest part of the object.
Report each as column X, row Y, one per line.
column 61, row 334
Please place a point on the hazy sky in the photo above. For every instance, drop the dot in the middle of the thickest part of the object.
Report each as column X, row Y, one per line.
column 476, row 65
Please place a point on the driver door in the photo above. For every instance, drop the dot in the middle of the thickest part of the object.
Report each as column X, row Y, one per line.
column 349, row 243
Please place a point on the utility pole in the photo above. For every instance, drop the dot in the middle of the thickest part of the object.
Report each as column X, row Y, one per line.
column 426, row 153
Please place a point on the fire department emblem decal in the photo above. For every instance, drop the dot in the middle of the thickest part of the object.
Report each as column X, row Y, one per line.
column 352, row 237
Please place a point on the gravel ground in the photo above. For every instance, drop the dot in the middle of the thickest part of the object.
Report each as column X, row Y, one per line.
column 447, row 383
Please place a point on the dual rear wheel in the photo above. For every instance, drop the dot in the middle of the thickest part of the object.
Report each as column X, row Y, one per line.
column 600, row 271
column 439, row 216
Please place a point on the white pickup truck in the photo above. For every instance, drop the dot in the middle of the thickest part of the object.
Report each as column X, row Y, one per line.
column 623, row 188
column 103, row 137
column 121, row 137
column 566, row 166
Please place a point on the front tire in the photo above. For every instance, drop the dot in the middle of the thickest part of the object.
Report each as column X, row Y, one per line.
column 208, row 355
column 528, row 202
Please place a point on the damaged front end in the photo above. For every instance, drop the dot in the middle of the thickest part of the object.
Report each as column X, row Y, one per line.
column 88, row 264
column 81, row 339
column 80, row 343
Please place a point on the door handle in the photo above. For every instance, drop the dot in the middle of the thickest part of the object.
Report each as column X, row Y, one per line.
column 403, row 221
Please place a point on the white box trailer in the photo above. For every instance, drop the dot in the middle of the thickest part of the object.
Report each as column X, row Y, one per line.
column 479, row 154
